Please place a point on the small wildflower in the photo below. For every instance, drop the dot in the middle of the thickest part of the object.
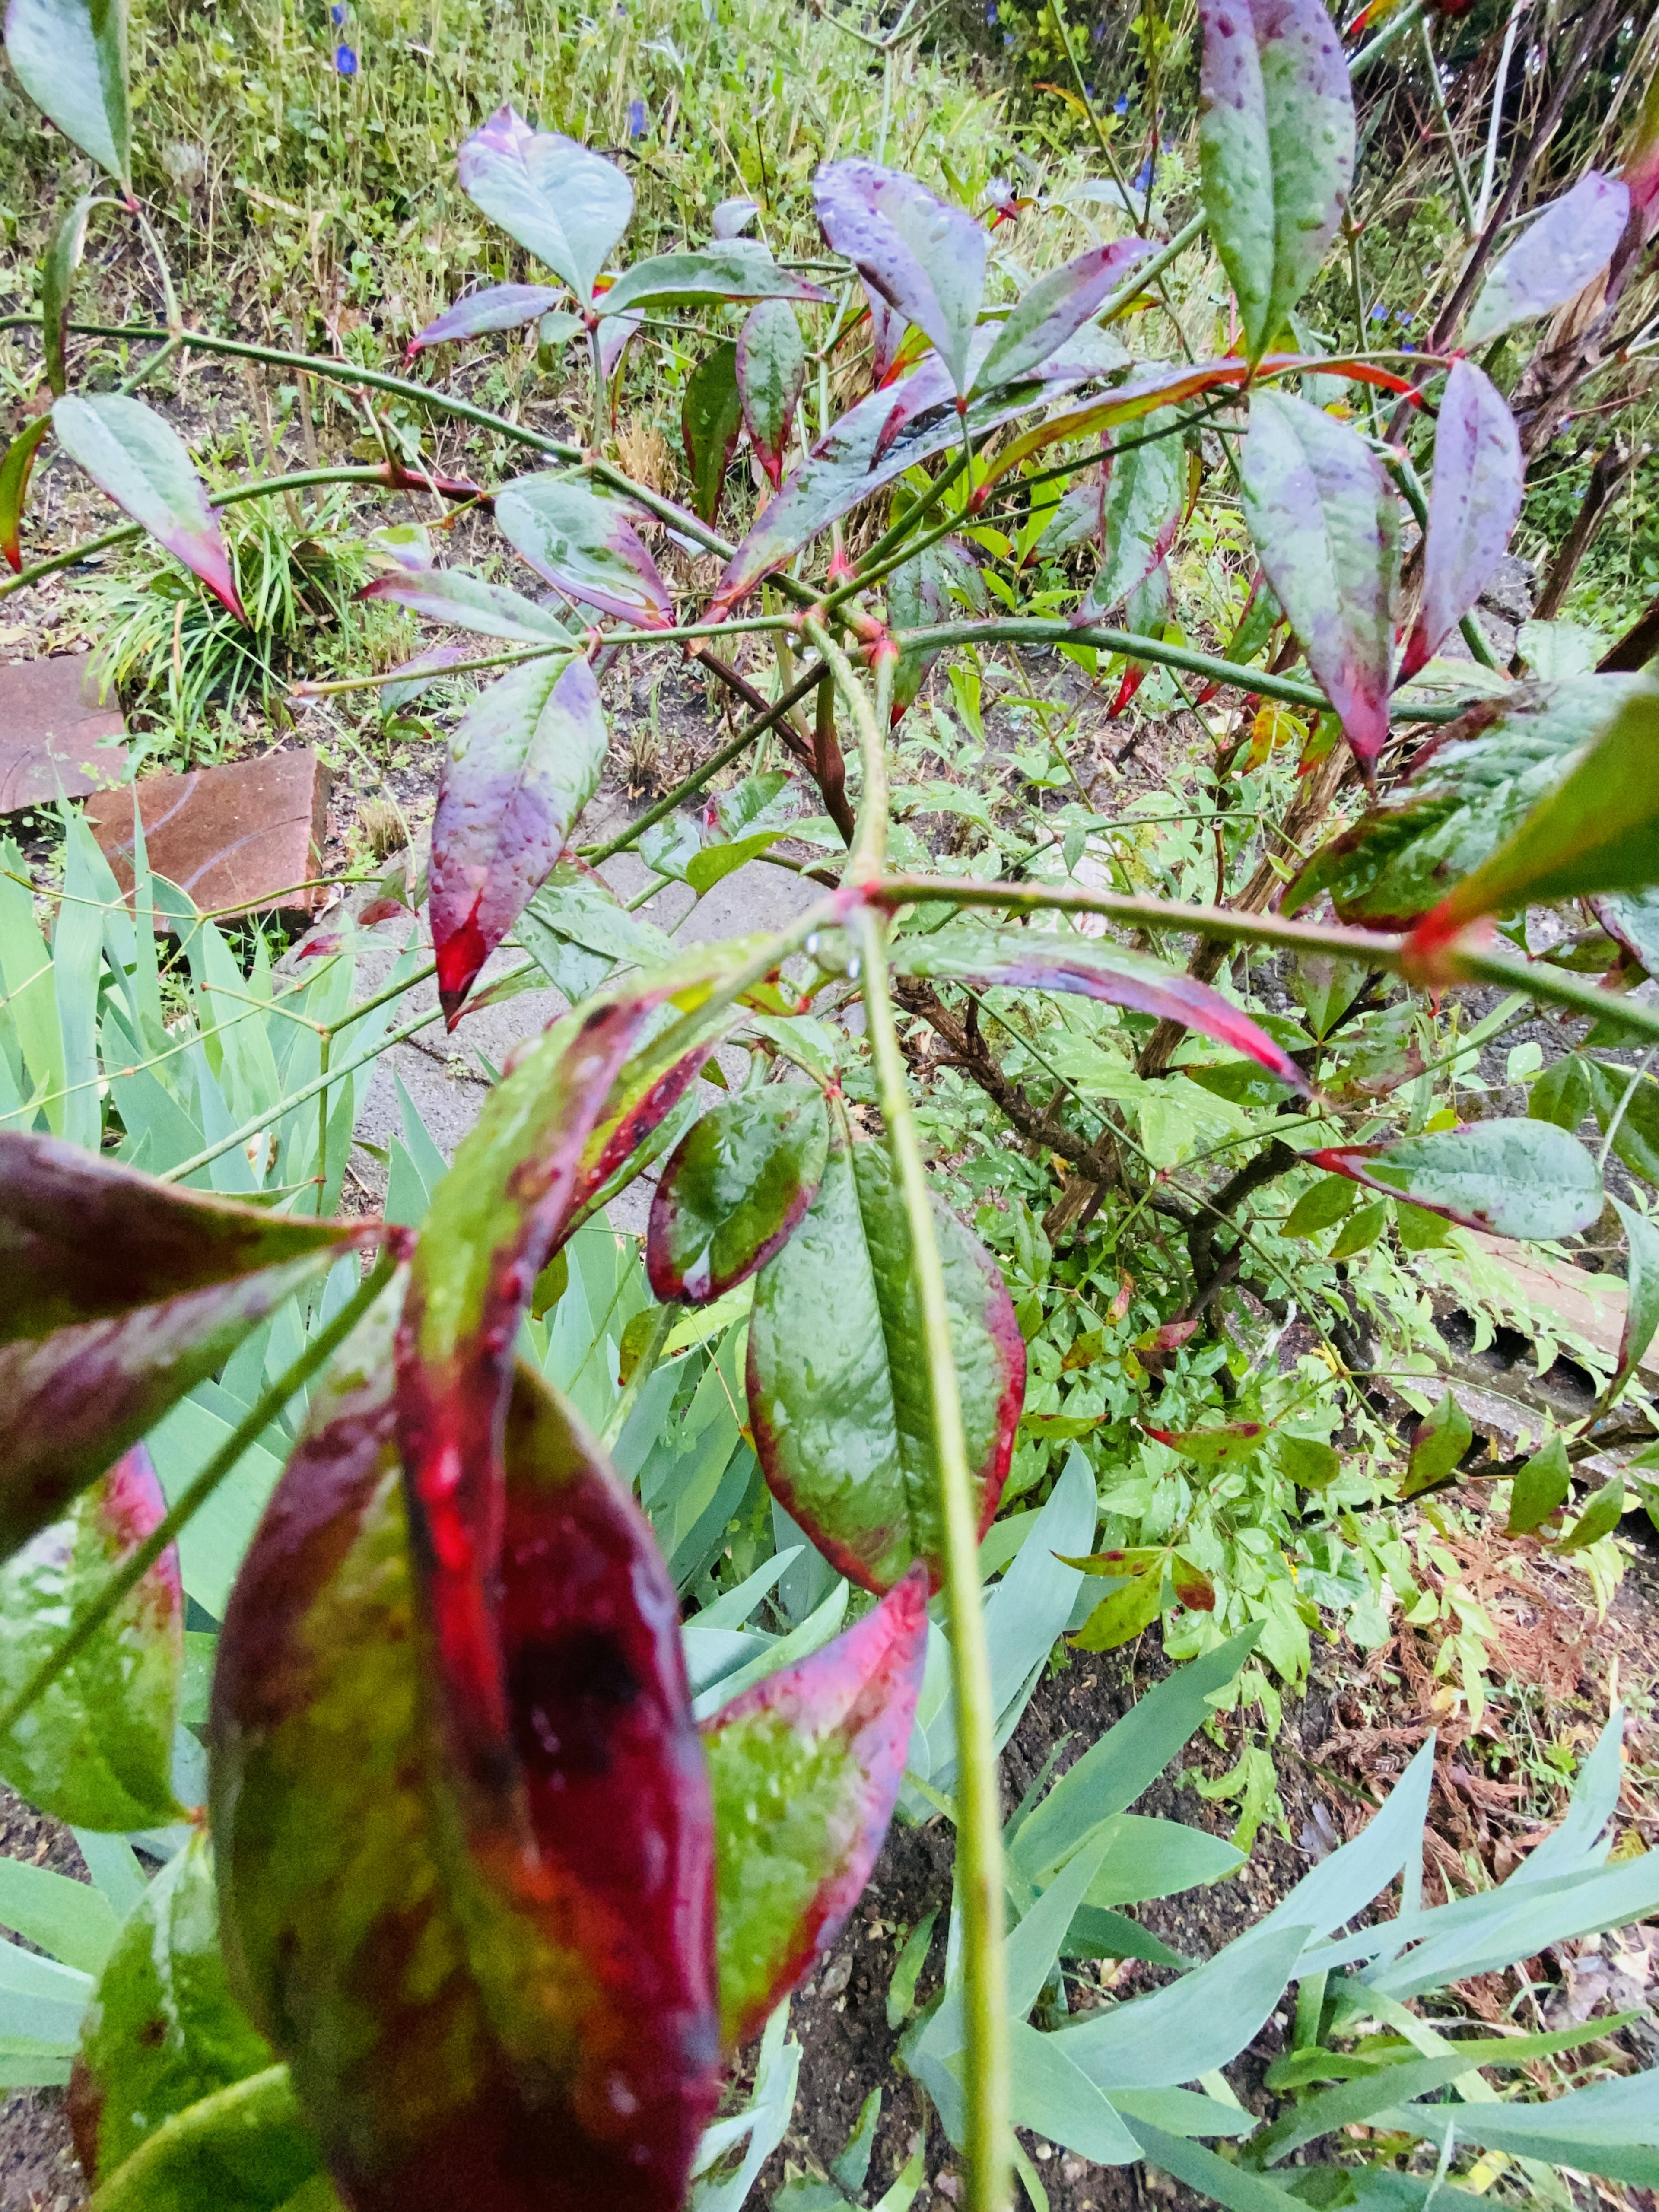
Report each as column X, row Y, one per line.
column 637, row 122
column 1379, row 313
column 336, row 14
column 991, row 16
column 1120, row 105
column 345, row 59
column 1143, row 177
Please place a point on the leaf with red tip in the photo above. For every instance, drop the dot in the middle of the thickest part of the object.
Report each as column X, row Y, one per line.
column 1510, row 1178
column 1472, row 504
column 95, row 1749
column 139, row 459
column 515, row 2008
column 839, row 1401
column 450, row 595
column 1554, row 258
column 804, row 1770
column 1326, row 526
column 564, row 203
column 1054, row 308
column 771, row 376
column 711, row 418
column 888, row 330
column 734, row 1190
column 497, row 307
column 522, row 765
column 1037, row 960
column 15, row 471
column 1224, row 1446
column 1276, row 150
column 585, row 545
column 924, row 257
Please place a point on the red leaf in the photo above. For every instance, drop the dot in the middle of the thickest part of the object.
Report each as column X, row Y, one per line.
column 15, row 469
column 1473, row 505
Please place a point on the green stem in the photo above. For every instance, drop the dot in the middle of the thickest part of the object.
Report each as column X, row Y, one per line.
column 253, row 1426
column 1405, row 21
column 146, row 369
column 979, row 1809
column 247, row 2109
column 1466, row 198
column 1146, row 273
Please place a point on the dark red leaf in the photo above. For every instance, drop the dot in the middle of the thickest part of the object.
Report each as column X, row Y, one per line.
column 1472, row 504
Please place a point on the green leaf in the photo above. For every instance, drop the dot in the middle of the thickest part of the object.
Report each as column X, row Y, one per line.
column 1276, row 150
column 1642, row 1290
column 1201, row 2021
column 586, row 546
column 1543, row 1484
column 1147, row 1858
column 1603, row 1511
column 838, row 1400
column 1308, row 1461
column 163, row 2029
column 62, row 258
column 1360, row 1230
column 1511, row 1178
column 71, row 56
column 70, row 1919
column 711, row 418
column 1323, row 1203
column 734, row 1190
column 1223, row 1446
column 1418, row 1229
column 137, row 457
column 716, row 862
column 464, row 602
column 1096, row 1933
column 771, row 371
column 907, row 1971
column 1636, row 1139
column 565, row 204
column 1564, row 1092
column 1609, row 2127
column 1438, row 1444
column 1471, row 787
column 1118, row 1618
column 742, row 270
column 244, row 2149
column 15, row 469
column 1145, row 490
column 1049, row 2092
column 95, row 1748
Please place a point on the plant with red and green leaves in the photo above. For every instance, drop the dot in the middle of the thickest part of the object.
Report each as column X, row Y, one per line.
column 501, row 1907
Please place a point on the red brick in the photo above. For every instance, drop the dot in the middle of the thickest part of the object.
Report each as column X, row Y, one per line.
column 52, row 731
column 240, row 839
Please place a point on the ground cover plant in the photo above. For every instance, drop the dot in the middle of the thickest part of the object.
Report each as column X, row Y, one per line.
column 507, row 1863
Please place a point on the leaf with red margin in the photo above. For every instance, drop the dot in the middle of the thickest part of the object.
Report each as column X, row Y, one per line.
column 740, row 269
column 585, row 545
column 508, row 2002
column 95, row 1748
column 1510, row 1178
column 1054, row 309
column 1326, row 529
column 1472, row 504
column 1555, row 257
column 450, row 595
column 711, row 419
column 1223, row 1446
column 734, row 1191
column 521, row 766
column 15, row 471
column 771, row 376
column 563, row 203
column 497, row 307
column 139, row 459
column 838, row 1400
column 924, row 257
column 888, row 330
column 804, row 1770
column 1145, row 490
column 1034, row 960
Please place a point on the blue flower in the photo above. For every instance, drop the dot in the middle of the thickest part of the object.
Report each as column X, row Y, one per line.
column 1405, row 346
column 991, row 16
column 1120, row 105
column 336, row 14
column 345, row 60
column 1142, row 181
column 1379, row 313
column 638, row 122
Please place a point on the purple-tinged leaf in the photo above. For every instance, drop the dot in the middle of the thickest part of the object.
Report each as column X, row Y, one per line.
column 71, row 56
column 15, row 469
column 1034, row 960
column 924, row 257
column 1631, row 920
column 402, row 545
column 1510, row 1178
column 1077, row 518
column 450, row 595
column 1553, row 258
column 741, row 271
column 498, row 307
column 771, row 374
column 503, row 1997
column 887, row 329
column 1326, row 529
column 839, row 1404
column 711, row 419
column 919, row 591
column 1145, row 490
column 734, row 1188
column 564, row 203
column 804, row 1770
column 1472, row 504
column 1276, row 150
column 731, row 218
column 61, row 259
column 522, row 765
column 1054, row 308
column 137, row 457
column 586, row 546
column 95, row 1749
column 616, row 333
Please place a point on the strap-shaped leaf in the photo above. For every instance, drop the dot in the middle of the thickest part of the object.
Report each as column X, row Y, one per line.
column 71, row 56
column 838, row 1400
column 1555, row 257
column 521, row 2016
column 564, row 203
column 1326, row 526
column 711, row 419
column 450, row 595
column 1642, row 1306
column 586, row 546
column 57, row 269
column 804, row 1770
column 771, row 370
column 1472, row 504
column 742, row 270
column 15, row 469
column 96, row 1748
column 1510, row 1178
column 522, row 765
column 1276, row 150
column 497, row 307
column 138, row 457
column 1043, row 961
column 733, row 1190
column 924, row 257
column 1054, row 308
